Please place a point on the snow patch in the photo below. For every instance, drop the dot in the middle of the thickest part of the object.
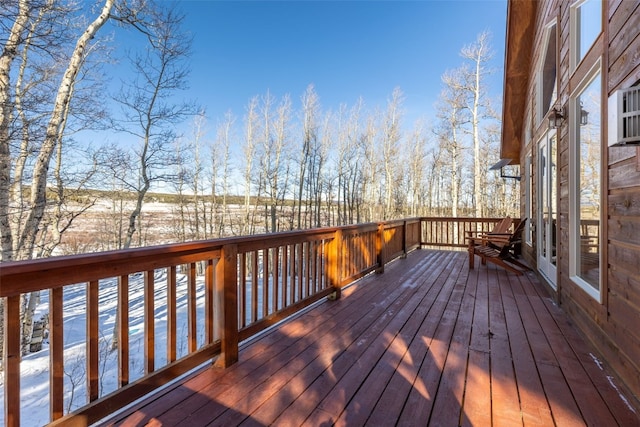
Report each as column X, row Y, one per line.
column 597, row 361
column 624, row 399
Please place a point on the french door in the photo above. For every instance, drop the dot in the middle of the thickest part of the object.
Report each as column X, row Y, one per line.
column 547, row 206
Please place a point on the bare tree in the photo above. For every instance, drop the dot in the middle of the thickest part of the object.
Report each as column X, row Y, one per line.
column 149, row 114
column 199, row 206
column 478, row 53
column 452, row 116
column 310, row 112
column 183, row 175
column 372, row 188
column 391, row 150
column 75, row 373
column 272, row 157
column 321, row 182
column 192, row 208
column 417, row 167
column 220, row 172
column 38, row 45
column 434, row 181
column 350, row 164
column 249, row 150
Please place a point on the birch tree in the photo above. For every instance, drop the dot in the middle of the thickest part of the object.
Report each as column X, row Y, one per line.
column 183, row 176
column 249, row 151
column 272, row 158
column 372, row 188
column 22, row 213
column 451, row 112
column 310, row 112
column 19, row 233
column 390, row 150
column 355, row 156
column 320, row 182
column 196, row 183
column 478, row 54
column 417, row 167
column 220, row 176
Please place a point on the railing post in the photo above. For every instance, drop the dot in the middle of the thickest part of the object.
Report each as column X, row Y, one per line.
column 11, row 360
column 335, row 264
column 380, row 248
column 227, row 296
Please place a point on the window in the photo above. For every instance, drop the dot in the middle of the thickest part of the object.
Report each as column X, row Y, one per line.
column 586, row 25
column 586, row 198
column 547, row 73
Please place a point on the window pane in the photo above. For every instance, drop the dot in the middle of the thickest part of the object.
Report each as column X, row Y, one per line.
column 549, row 74
column 589, row 25
column 587, row 121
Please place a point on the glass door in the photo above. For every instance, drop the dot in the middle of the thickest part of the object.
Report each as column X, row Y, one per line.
column 547, row 202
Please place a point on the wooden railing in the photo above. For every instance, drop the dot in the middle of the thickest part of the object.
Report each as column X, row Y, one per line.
column 245, row 284
column 451, row 232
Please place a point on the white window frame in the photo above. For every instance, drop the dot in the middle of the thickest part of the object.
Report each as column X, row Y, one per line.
column 540, row 114
column 574, row 32
column 574, row 194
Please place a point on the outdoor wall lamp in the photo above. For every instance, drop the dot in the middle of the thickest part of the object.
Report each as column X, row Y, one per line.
column 584, row 116
column 556, row 117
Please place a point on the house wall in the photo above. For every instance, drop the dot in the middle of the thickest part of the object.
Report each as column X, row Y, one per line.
column 613, row 323
column 621, row 331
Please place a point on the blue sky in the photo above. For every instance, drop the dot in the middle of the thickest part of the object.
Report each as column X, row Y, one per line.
column 346, row 49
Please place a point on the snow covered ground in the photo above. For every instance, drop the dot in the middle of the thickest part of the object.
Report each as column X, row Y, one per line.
column 35, row 366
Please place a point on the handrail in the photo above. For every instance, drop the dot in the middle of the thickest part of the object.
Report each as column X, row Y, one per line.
column 450, row 231
column 248, row 283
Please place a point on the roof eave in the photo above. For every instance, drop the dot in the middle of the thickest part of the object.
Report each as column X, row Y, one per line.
column 521, row 17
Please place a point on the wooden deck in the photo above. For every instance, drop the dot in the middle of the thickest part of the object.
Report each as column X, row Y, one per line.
column 429, row 342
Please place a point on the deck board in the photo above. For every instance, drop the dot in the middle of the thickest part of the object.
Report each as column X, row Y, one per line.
column 429, row 342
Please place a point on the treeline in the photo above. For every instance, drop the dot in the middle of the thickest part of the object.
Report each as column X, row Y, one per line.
column 300, row 167
column 334, row 168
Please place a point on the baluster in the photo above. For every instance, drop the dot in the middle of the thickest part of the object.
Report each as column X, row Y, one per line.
column 243, row 291
column 254, row 286
column 276, row 279
column 56, row 353
column 172, row 329
column 92, row 340
column 209, row 308
column 149, row 330
column 265, row 282
column 123, row 330
column 12, row 361
column 299, row 275
column 192, row 318
column 285, row 270
column 292, row 273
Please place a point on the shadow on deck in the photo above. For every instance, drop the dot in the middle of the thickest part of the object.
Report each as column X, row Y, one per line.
column 429, row 342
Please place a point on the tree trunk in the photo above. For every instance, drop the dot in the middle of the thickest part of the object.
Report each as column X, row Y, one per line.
column 6, row 59
column 41, row 167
